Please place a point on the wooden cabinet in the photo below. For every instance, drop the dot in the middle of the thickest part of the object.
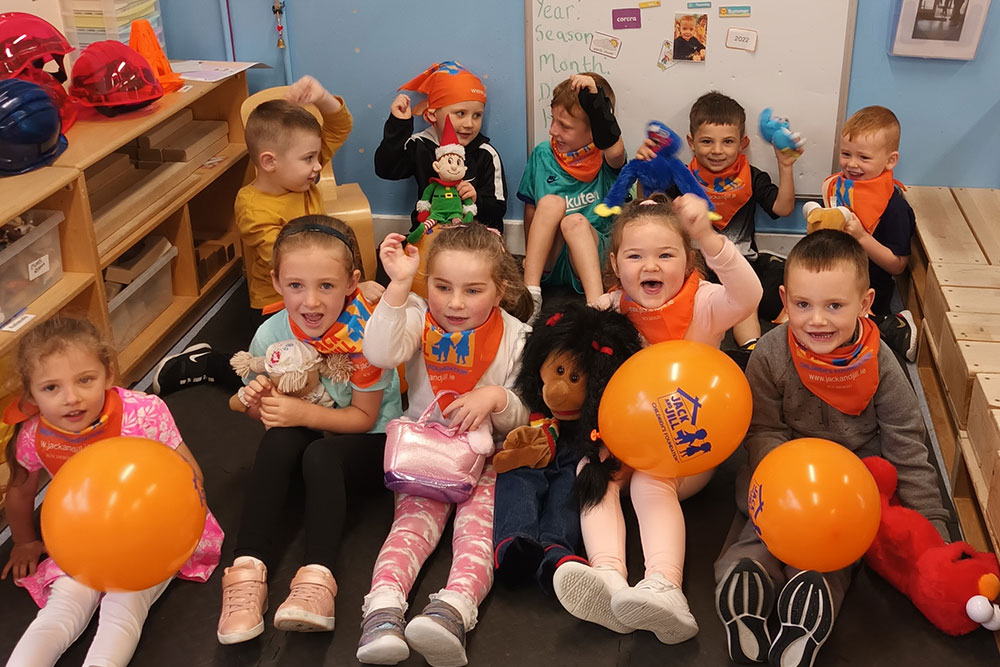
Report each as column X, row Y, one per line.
column 186, row 202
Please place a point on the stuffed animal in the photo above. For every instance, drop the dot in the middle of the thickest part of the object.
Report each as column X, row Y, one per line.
column 951, row 584
column 776, row 132
column 568, row 359
column 440, row 202
column 294, row 368
column 818, row 217
column 658, row 174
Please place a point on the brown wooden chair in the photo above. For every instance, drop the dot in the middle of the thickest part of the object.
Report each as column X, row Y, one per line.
column 346, row 202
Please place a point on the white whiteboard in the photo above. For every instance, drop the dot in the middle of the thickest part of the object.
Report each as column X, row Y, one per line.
column 800, row 69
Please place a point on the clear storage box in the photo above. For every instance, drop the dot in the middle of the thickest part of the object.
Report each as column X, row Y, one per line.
column 136, row 306
column 32, row 264
column 88, row 21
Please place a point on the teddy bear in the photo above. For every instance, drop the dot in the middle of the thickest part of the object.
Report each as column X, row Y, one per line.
column 568, row 359
column 951, row 584
column 294, row 368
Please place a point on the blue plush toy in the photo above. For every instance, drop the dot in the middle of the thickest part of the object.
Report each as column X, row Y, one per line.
column 654, row 175
column 776, row 132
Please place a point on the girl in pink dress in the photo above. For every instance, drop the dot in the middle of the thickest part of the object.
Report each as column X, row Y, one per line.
column 68, row 402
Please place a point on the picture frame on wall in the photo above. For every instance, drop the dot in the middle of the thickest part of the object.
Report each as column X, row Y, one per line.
column 938, row 28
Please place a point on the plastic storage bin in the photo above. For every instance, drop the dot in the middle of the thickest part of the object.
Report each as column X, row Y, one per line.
column 136, row 306
column 88, row 21
column 32, row 264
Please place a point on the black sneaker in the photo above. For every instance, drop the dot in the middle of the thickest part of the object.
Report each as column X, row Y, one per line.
column 744, row 600
column 900, row 334
column 183, row 369
column 805, row 609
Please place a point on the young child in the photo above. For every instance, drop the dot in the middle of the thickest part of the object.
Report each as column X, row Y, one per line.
column 661, row 291
column 316, row 272
column 472, row 279
column 883, row 221
column 69, row 401
column 687, row 46
column 862, row 401
column 563, row 181
column 718, row 138
column 452, row 92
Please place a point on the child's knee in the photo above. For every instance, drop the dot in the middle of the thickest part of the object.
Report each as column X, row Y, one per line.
column 553, row 205
column 574, row 225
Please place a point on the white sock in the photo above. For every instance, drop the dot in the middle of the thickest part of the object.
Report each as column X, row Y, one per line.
column 384, row 597
column 246, row 560
column 465, row 606
column 536, row 293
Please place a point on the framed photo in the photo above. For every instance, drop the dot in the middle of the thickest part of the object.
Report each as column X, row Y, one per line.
column 938, row 28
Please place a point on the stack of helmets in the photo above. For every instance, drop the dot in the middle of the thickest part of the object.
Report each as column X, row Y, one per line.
column 114, row 79
column 27, row 44
column 30, row 127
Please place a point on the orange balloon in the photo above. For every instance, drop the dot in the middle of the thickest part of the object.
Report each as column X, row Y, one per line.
column 123, row 514
column 675, row 409
column 814, row 504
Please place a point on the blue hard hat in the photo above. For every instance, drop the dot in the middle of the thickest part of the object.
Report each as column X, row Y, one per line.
column 30, row 127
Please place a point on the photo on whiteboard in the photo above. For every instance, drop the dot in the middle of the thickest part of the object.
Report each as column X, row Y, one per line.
column 938, row 28
column 690, row 36
column 666, row 59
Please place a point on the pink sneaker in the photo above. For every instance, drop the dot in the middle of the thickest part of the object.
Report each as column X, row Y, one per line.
column 244, row 601
column 309, row 606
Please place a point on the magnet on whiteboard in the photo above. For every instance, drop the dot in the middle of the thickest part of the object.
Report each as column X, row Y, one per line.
column 743, row 39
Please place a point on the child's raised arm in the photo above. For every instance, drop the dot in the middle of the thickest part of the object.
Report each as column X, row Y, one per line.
column 308, row 90
column 603, row 124
column 401, row 266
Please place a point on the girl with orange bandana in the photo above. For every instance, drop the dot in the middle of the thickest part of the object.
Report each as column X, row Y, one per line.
column 663, row 294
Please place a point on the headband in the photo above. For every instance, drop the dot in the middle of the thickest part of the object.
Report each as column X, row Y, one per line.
column 323, row 229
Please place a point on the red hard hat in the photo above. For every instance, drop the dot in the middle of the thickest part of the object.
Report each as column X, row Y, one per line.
column 69, row 107
column 114, row 79
column 26, row 39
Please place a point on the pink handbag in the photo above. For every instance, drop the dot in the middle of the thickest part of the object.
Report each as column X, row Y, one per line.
column 431, row 460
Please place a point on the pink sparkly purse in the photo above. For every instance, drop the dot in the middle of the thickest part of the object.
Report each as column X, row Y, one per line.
column 429, row 459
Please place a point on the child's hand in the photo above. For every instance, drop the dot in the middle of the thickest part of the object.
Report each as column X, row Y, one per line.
column 692, row 211
column 23, row 559
column 578, row 81
column 400, row 263
column 308, row 90
column 854, row 227
column 371, row 291
column 787, row 158
column 280, row 410
column 401, row 107
column 258, row 388
column 467, row 190
column 471, row 409
column 646, row 151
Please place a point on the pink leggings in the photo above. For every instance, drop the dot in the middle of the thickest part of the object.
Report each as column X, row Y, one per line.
column 416, row 529
column 661, row 522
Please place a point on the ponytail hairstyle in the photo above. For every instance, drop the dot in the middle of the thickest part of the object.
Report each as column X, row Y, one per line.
column 599, row 342
column 52, row 336
column 657, row 208
column 504, row 269
column 318, row 231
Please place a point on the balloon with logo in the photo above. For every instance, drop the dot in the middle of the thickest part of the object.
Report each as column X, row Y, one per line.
column 675, row 409
column 814, row 504
column 123, row 514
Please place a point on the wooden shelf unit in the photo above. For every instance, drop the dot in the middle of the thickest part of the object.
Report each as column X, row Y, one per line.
column 164, row 206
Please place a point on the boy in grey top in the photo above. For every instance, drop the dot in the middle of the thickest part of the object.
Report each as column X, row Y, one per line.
column 823, row 375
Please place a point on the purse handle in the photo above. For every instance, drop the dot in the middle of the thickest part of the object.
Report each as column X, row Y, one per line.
column 430, row 408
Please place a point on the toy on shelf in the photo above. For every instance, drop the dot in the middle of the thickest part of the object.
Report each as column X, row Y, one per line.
column 440, row 201
column 657, row 174
column 294, row 368
column 953, row 585
column 776, row 132
column 114, row 79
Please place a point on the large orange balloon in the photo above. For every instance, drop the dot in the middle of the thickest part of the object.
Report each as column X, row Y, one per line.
column 123, row 514
column 814, row 504
column 676, row 408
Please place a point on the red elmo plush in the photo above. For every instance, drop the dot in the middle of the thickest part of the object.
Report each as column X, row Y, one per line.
column 944, row 581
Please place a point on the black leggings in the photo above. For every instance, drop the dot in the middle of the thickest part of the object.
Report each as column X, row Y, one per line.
column 329, row 466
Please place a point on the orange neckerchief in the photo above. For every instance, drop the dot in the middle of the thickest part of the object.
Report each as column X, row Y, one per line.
column 345, row 336
column 458, row 360
column 55, row 446
column 866, row 199
column 846, row 378
column 549, row 426
column 582, row 164
column 728, row 190
column 668, row 322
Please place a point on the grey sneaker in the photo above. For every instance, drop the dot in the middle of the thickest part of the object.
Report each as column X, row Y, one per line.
column 438, row 634
column 382, row 641
column 805, row 609
column 744, row 599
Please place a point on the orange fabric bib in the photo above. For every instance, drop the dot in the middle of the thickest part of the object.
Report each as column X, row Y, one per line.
column 583, row 164
column 458, row 360
column 668, row 322
column 847, row 378
column 866, row 199
column 728, row 190
column 55, row 446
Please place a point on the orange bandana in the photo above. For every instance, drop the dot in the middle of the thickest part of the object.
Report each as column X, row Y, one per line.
column 458, row 360
column 583, row 164
column 345, row 336
column 729, row 189
column 846, row 378
column 445, row 84
column 55, row 446
column 866, row 199
column 668, row 322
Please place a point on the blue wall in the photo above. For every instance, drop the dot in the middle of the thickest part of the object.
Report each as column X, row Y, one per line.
column 950, row 111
